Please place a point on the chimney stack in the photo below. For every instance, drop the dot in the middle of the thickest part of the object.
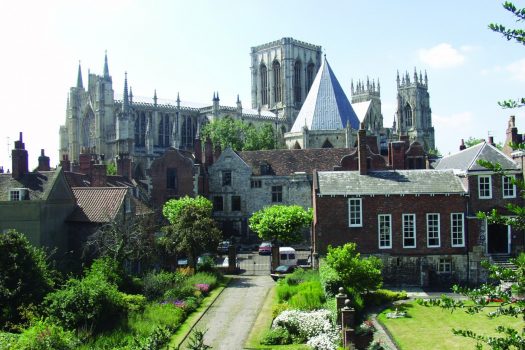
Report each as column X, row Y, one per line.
column 361, row 150
column 98, row 175
column 462, row 146
column 124, row 165
column 19, row 159
column 65, row 163
column 491, row 141
column 43, row 162
column 85, row 161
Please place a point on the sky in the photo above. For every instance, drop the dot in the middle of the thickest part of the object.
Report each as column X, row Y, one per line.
column 197, row 47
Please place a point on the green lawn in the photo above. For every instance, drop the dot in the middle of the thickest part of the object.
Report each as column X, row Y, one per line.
column 431, row 327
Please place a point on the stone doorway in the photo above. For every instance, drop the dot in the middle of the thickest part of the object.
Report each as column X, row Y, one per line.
column 498, row 239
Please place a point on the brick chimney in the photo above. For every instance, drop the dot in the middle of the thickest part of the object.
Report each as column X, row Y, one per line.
column 124, row 165
column 396, row 154
column 85, row 161
column 43, row 162
column 491, row 141
column 65, row 163
column 361, row 150
column 462, row 146
column 98, row 175
column 1, row 169
column 208, row 152
column 19, row 159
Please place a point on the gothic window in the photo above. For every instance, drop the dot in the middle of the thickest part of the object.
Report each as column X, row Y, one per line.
column 310, row 75
column 408, row 115
column 297, row 81
column 171, row 178
column 88, row 130
column 264, row 84
column 140, row 130
column 188, row 132
column 164, row 130
column 277, row 81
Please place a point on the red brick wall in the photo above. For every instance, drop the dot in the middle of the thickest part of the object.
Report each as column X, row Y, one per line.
column 496, row 202
column 331, row 222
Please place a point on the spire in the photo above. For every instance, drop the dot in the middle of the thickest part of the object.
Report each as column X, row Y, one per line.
column 214, row 97
column 125, row 99
column 415, row 75
column 238, row 100
column 426, row 79
column 378, row 86
column 352, row 86
column 178, row 98
column 106, row 69
column 79, row 77
column 130, row 95
column 397, row 78
column 155, row 97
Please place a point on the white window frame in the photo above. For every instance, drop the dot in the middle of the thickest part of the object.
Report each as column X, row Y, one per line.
column 406, row 230
column 507, row 187
column 454, row 231
column 14, row 195
column 355, row 212
column 380, row 234
column 434, row 229
column 481, row 191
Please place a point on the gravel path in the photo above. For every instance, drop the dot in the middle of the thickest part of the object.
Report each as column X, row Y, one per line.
column 229, row 320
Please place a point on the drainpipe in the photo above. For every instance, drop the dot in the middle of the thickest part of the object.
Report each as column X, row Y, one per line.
column 467, row 243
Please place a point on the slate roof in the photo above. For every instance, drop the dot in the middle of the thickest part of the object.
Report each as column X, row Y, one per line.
column 467, row 160
column 97, row 204
column 391, row 182
column 326, row 107
column 289, row 161
column 39, row 184
column 83, row 180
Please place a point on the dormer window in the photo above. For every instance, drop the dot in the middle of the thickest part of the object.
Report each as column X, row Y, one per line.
column 18, row 194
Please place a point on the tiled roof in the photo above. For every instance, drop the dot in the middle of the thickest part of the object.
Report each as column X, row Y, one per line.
column 39, row 184
column 83, row 180
column 390, row 182
column 97, row 204
column 289, row 161
column 467, row 160
column 326, row 107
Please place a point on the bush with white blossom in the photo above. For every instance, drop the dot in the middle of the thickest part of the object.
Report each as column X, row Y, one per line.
column 313, row 326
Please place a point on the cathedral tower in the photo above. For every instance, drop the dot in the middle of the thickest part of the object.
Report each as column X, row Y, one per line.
column 282, row 73
column 414, row 116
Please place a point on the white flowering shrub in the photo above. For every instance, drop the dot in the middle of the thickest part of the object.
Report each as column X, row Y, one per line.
column 314, row 327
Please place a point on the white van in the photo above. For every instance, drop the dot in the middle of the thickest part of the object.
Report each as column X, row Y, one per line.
column 287, row 256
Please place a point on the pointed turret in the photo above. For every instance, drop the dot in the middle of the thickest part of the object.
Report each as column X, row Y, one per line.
column 178, row 100
column 415, row 76
column 378, row 86
column 106, row 68
column 426, row 78
column 155, row 97
column 398, row 81
column 125, row 98
column 130, row 96
column 79, row 77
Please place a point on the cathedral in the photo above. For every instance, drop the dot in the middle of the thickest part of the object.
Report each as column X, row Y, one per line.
column 293, row 87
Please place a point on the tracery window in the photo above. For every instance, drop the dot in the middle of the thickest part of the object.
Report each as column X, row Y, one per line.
column 188, row 132
column 408, row 115
column 277, row 81
column 164, row 130
column 264, row 84
column 310, row 75
column 140, row 130
column 297, row 81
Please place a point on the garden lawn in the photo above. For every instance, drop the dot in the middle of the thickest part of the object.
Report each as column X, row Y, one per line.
column 431, row 327
column 263, row 323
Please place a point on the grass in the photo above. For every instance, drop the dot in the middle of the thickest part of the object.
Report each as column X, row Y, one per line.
column 431, row 327
column 263, row 323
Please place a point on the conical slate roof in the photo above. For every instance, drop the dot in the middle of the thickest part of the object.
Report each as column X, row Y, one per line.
column 326, row 107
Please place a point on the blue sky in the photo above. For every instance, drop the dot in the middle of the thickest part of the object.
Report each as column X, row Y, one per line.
column 198, row 47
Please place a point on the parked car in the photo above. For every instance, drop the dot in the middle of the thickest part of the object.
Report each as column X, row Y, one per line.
column 265, row 248
column 281, row 271
column 223, row 247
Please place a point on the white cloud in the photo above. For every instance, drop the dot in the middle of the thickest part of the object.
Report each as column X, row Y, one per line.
column 517, row 70
column 443, row 56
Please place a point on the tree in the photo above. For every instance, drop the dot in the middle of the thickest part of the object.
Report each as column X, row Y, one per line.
column 281, row 223
column 122, row 239
column 517, row 35
column 472, row 141
column 192, row 229
column 25, row 277
column 240, row 136
column 357, row 273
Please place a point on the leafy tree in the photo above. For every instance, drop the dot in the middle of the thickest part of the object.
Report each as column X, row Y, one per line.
column 357, row 273
column 111, row 168
column 281, row 223
column 472, row 141
column 25, row 277
column 240, row 136
column 125, row 238
column 517, row 35
column 192, row 229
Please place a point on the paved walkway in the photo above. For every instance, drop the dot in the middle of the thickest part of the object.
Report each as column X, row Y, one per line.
column 229, row 320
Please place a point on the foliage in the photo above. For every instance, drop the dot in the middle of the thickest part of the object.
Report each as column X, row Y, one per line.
column 155, row 284
column 434, row 153
column 196, row 341
column 125, row 238
column 191, row 228
column 281, row 223
column 240, row 136
column 512, row 304
column 383, row 296
column 203, row 278
column 277, row 336
column 92, row 302
column 472, row 141
column 8, row 340
column 517, row 35
column 329, row 278
column 43, row 335
column 111, row 168
column 156, row 340
column 359, row 274
column 25, row 277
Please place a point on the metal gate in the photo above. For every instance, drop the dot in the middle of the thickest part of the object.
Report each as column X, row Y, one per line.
column 253, row 264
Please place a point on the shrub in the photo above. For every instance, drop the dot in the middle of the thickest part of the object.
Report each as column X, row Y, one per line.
column 279, row 308
column 202, row 278
column 329, row 278
column 300, row 276
column 159, row 337
column 43, row 335
column 207, row 264
column 383, row 296
column 155, row 284
column 8, row 340
column 179, row 293
column 277, row 336
column 134, row 302
column 155, row 314
column 307, row 300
